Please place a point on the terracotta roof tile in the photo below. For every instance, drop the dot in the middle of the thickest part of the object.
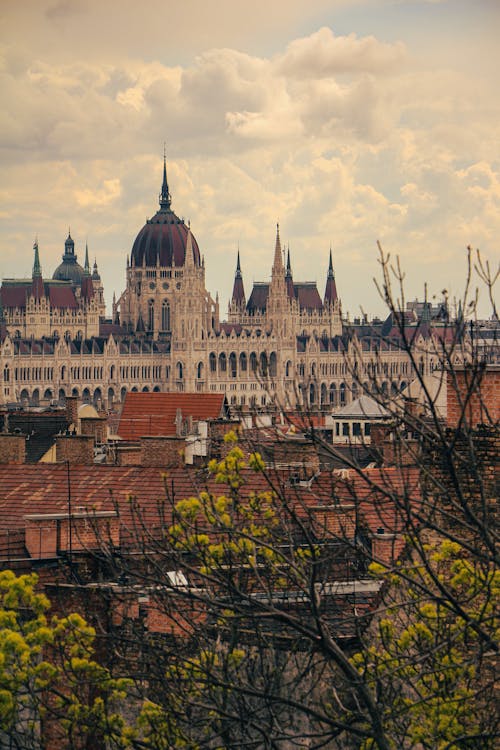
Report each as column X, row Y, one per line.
column 155, row 413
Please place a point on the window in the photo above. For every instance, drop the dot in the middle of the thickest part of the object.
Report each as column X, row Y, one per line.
column 151, row 315
column 165, row 315
column 356, row 429
column 345, row 429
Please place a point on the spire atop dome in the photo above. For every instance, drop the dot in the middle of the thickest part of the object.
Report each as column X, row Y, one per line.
column 69, row 245
column 165, row 197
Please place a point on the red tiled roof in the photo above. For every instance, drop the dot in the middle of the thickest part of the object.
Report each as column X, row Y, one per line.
column 155, row 413
column 45, row 488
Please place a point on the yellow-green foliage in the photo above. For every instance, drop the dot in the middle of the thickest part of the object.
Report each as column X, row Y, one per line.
column 49, row 662
column 422, row 655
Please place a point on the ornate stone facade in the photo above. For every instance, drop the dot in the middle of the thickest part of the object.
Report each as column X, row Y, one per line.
column 285, row 342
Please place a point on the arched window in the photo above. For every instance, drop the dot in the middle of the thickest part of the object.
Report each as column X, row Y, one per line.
column 47, row 394
column 312, row 393
column 243, row 362
column 199, row 371
column 323, row 394
column 151, row 315
column 342, row 394
column 222, row 362
column 253, row 362
column 288, row 369
column 333, row 394
column 6, row 374
column 212, row 362
column 232, row 365
column 86, row 396
column 273, row 364
column 263, row 363
column 165, row 315
column 112, row 372
column 179, row 371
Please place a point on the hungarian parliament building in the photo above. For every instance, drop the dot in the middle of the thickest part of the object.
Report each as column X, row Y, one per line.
column 286, row 342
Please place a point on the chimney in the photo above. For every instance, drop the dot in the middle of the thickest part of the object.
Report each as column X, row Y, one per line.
column 162, row 450
column 94, row 426
column 76, row 449
column 72, row 409
column 12, row 449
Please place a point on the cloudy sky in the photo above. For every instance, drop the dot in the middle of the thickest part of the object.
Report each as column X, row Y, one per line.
column 348, row 121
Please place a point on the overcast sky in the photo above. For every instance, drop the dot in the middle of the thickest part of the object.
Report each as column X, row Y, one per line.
column 348, row 121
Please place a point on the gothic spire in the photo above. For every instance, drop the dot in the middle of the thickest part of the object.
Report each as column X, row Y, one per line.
column 86, row 267
column 238, row 296
column 165, row 198
column 278, row 268
column 37, row 269
column 37, row 284
column 288, row 276
column 331, row 287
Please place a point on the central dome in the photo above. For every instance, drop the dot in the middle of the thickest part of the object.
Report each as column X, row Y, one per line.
column 163, row 239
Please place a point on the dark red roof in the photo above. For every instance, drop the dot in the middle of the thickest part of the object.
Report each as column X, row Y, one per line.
column 163, row 238
column 307, row 295
column 15, row 295
column 62, row 297
column 258, row 297
column 155, row 413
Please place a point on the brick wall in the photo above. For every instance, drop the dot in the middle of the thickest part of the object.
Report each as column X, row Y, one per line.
column 72, row 409
column 46, row 535
column 483, row 406
column 386, row 548
column 335, row 520
column 164, row 451
column 77, row 449
column 95, row 426
column 12, row 449
column 297, row 452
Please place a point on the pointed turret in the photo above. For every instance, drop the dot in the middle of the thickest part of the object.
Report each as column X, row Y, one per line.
column 95, row 271
column 238, row 297
column 278, row 269
column 165, row 198
column 288, row 276
column 86, row 267
column 87, row 286
column 37, row 280
column 189, row 258
column 331, row 296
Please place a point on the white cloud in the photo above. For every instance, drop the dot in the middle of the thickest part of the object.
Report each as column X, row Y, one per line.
column 342, row 138
column 323, row 55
